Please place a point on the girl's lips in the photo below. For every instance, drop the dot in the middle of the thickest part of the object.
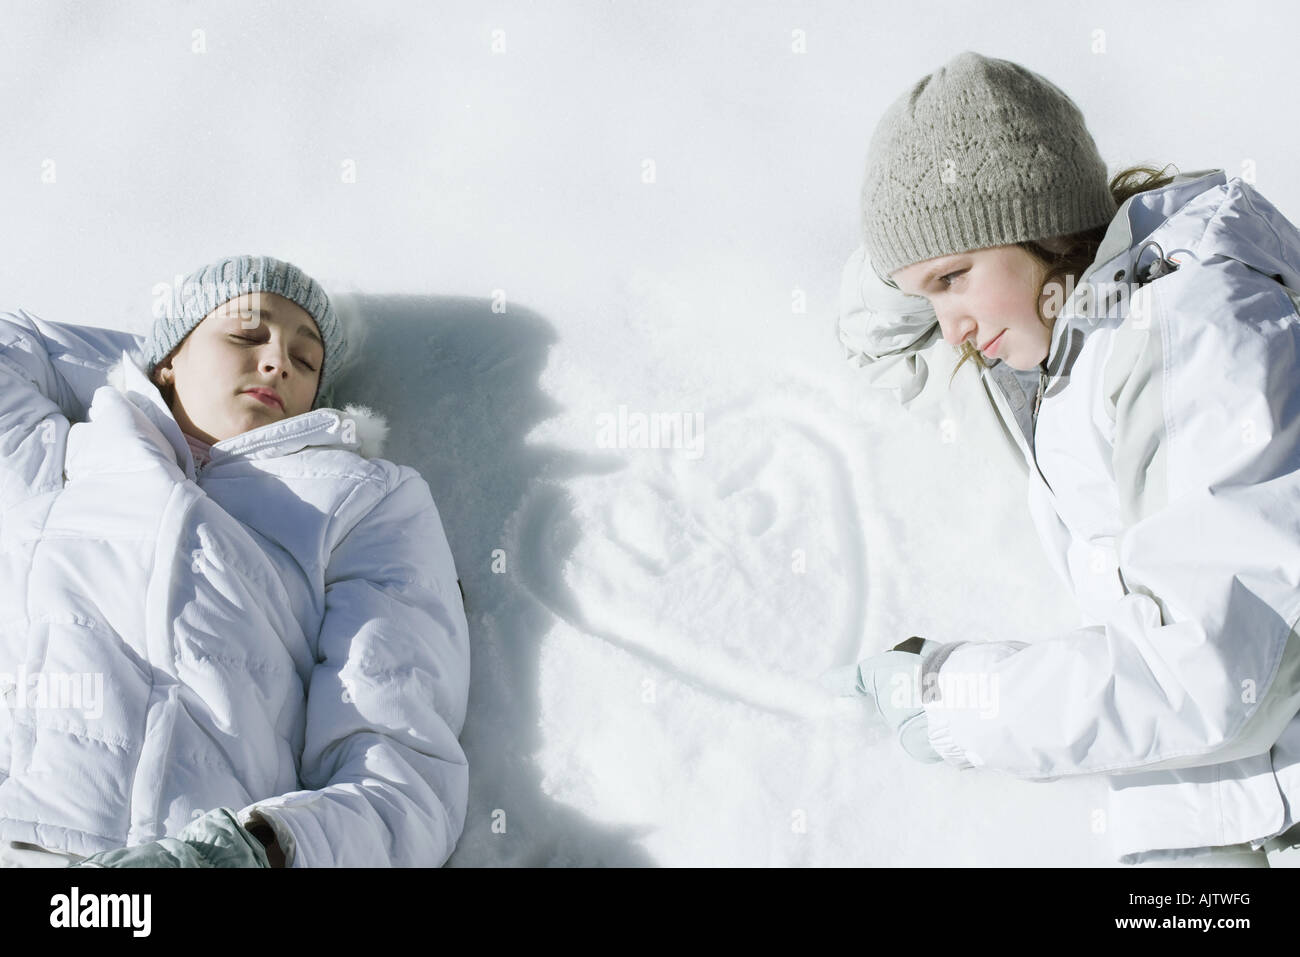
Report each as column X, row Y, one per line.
column 992, row 347
column 263, row 397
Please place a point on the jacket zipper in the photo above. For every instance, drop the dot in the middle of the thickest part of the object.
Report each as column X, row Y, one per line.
column 1026, row 445
column 1033, row 429
column 1038, row 399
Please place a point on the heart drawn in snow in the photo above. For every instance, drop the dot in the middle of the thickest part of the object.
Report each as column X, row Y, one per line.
column 740, row 570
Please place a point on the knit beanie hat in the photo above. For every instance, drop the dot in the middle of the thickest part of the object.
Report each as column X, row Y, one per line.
column 218, row 282
column 981, row 152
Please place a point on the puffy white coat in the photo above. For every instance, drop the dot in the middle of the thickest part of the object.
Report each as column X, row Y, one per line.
column 279, row 631
column 1164, row 483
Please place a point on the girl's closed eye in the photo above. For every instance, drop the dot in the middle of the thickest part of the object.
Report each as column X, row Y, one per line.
column 947, row 279
column 309, row 366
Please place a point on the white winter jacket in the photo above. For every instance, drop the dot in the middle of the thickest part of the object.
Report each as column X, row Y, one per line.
column 279, row 631
column 1164, row 483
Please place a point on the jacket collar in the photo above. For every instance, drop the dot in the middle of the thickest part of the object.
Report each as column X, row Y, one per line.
column 355, row 427
column 1137, row 218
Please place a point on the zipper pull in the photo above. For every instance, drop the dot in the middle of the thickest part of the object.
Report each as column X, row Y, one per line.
column 1042, row 387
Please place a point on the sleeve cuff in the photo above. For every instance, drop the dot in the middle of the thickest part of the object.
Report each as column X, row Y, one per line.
column 942, row 741
column 936, row 716
column 283, row 836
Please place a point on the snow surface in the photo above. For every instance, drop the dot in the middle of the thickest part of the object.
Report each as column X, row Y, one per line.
column 645, row 651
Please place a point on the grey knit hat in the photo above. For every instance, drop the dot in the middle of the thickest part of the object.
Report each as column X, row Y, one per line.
column 981, row 152
column 218, row 282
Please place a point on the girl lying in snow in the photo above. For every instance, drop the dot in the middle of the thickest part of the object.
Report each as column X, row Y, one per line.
column 274, row 610
column 1143, row 338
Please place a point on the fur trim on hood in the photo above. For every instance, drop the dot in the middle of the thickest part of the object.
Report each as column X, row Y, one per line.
column 371, row 426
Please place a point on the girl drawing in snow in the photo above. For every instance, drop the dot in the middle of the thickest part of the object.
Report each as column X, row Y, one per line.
column 1138, row 338
column 273, row 609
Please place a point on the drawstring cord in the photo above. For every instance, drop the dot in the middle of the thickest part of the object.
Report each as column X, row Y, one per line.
column 1160, row 267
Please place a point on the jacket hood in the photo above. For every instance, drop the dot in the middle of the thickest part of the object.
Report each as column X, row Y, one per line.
column 1201, row 215
column 316, row 427
column 896, row 338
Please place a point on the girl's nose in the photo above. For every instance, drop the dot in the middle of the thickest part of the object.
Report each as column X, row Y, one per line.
column 955, row 331
column 275, row 361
